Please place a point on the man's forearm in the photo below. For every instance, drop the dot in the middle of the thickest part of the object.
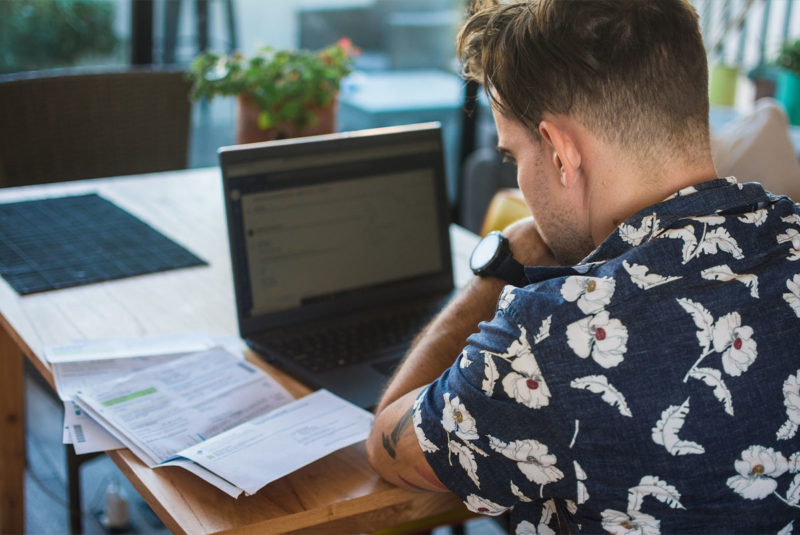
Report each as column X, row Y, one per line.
column 440, row 343
column 437, row 347
column 392, row 446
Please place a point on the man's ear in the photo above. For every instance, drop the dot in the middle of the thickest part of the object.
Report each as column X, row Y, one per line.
column 566, row 157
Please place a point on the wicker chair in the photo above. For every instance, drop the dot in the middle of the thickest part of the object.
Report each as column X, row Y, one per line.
column 76, row 123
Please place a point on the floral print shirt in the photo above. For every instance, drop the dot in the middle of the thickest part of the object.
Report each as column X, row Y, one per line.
column 653, row 388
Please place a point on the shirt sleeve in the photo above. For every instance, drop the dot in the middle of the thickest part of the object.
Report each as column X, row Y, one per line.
column 477, row 422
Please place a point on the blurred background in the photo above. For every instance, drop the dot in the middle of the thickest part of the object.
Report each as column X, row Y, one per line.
column 407, row 72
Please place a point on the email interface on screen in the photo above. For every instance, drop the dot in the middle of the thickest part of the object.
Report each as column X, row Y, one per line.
column 313, row 242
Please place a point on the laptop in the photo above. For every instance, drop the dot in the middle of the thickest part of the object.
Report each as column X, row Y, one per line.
column 340, row 250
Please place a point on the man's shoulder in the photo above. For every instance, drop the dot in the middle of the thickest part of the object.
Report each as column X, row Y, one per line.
column 743, row 265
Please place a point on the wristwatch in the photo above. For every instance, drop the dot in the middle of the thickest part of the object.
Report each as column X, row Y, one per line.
column 492, row 257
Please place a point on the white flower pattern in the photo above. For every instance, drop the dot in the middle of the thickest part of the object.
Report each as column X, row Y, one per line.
column 532, row 459
column 757, row 218
column 710, row 242
column 490, row 374
column 793, row 295
column 518, row 493
column 424, row 442
column 758, row 468
column 724, row 273
column 791, row 400
column 506, row 297
column 526, row 384
column 466, row 459
column 592, row 294
column 794, row 463
column 457, row 419
column 735, row 342
column 631, row 523
column 641, row 277
column 600, row 337
column 476, row 504
column 582, row 492
column 649, row 226
column 792, row 237
column 584, row 313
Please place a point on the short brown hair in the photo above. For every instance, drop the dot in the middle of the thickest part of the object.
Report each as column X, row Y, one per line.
column 633, row 71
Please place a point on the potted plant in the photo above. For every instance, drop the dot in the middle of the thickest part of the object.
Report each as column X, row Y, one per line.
column 787, row 89
column 281, row 93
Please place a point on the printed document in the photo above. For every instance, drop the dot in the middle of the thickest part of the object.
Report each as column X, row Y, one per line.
column 210, row 412
column 87, row 362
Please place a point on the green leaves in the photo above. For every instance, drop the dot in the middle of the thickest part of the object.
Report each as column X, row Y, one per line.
column 265, row 120
column 283, row 84
column 789, row 58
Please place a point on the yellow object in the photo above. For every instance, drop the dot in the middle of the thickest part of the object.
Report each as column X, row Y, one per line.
column 722, row 86
column 506, row 206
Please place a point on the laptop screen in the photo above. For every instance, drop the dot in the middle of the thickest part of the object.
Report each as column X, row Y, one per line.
column 330, row 224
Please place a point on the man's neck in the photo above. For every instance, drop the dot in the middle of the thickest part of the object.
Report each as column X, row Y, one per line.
column 620, row 189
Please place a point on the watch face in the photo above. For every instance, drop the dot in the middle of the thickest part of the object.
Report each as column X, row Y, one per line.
column 485, row 251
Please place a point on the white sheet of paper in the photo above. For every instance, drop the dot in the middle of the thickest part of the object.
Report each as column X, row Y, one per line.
column 163, row 409
column 86, row 435
column 117, row 348
column 231, row 490
column 232, row 344
column 273, row 445
column 73, row 376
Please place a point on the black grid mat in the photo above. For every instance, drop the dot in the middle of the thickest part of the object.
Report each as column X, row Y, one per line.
column 68, row 241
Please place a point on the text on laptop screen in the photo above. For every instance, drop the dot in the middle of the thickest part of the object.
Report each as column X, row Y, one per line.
column 310, row 243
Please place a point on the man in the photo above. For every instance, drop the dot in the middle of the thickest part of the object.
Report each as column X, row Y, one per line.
column 641, row 374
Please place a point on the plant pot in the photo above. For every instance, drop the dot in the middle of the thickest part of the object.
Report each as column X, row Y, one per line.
column 764, row 78
column 722, row 87
column 247, row 130
column 787, row 92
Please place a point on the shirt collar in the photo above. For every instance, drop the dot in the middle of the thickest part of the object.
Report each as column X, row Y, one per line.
column 721, row 196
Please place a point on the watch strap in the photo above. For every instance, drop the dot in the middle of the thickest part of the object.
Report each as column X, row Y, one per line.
column 511, row 271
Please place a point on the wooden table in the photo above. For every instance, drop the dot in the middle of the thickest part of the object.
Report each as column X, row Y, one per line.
column 339, row 493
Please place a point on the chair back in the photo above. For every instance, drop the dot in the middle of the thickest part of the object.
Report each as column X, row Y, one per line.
column 74, row 123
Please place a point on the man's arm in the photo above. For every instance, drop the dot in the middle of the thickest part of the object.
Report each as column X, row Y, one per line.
column 392, row 446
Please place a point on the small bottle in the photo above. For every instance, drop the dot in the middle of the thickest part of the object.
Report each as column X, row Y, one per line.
column 115, row 513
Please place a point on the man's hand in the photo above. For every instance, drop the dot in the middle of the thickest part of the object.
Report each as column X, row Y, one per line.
column 527, row 245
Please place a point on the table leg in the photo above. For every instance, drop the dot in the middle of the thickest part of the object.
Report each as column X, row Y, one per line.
column 12, row 436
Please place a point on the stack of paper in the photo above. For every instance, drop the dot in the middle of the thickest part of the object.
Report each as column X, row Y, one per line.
column 88, row 362
column 210, row 412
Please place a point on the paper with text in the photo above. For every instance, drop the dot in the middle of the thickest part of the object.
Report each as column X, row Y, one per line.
column 89, row 362
column 278, row 443
column 163, row 409
column 86, row 435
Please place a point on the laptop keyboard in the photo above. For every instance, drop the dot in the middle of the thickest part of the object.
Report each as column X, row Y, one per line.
column 339, row 345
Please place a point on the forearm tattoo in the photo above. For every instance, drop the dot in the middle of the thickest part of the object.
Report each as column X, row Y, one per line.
column 390, row 442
